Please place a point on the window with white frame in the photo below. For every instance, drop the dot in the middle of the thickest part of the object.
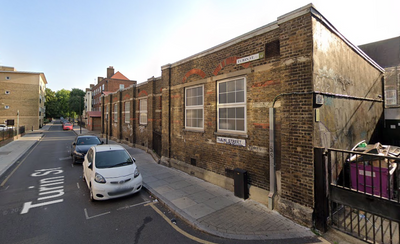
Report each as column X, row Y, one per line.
column 127, row 112
column 231, row 109
column 143, row 111
column 121, row 86
column 194, row 107
column 391, row 97
column 115, row 113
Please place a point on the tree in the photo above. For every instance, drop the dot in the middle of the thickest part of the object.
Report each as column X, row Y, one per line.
column 51, row 104
column 63, row 102
column 76, row 101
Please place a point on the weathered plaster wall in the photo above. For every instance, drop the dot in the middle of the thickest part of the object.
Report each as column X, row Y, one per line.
column 345, row 118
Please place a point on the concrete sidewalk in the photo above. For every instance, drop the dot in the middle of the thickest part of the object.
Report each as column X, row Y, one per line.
column 211, row 208
column 203, row 205
column 13, row 151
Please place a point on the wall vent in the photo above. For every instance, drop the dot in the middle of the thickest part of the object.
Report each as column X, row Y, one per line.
column 8, row 77
column 7, row 92
column 193, row 161
column 272, row 49
column 6, row 107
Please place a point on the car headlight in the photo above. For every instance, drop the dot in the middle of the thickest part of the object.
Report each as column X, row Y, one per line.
column 99, row 178
column 136, row 173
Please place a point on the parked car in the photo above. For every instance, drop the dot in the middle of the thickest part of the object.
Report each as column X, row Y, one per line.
column 110, row 172
column 67, row 126
column 81, row 145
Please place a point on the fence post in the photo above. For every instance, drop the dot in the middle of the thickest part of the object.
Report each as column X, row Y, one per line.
column 321, row 211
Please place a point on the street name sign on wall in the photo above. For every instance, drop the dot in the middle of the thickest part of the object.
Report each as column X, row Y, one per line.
column 250, row 58
column 231, row 141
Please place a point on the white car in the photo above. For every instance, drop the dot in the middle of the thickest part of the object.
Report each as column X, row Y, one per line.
column 110, row 172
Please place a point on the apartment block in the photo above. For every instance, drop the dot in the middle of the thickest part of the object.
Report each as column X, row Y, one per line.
column 22, row 97
column 113, row 82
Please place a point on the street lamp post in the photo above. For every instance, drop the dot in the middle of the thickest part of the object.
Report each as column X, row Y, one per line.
column 80, row 114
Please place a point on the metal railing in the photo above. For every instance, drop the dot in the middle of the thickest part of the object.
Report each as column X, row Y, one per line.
column 10, row 133
column 364, row 194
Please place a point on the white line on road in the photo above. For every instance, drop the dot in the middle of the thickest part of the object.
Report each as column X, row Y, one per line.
column 66, row 158
column 87, row 217
column 126, row 207
column 77, row 184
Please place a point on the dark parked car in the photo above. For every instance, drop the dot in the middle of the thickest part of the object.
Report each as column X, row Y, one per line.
column 81, row 145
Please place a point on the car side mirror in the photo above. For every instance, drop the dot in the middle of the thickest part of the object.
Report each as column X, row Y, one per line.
column 102, row 142
column 74, row 143
column 134, row 160
column 90, row 165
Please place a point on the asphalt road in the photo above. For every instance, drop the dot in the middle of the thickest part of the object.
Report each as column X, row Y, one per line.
column 45, row 201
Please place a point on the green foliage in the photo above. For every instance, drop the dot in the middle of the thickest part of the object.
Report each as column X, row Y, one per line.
column 51, row 104
column 64, row 103
column 76, row 101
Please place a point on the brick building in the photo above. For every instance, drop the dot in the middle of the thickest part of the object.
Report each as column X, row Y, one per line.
column 387, row 54
column 260, row 102
column 113, row 82
column 22, row 97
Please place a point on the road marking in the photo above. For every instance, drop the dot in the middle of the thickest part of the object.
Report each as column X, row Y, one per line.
column 19, row 163
column 95, row 216
column 65, row 158
column 77, row 184
column 29, row 205
column 126, row 207
column 176, row 227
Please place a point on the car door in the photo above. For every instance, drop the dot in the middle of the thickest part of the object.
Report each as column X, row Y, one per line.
column 89, row 170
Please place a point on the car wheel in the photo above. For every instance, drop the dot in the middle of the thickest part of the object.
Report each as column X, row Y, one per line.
column 91, row 194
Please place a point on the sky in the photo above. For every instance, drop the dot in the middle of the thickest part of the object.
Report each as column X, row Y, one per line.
column 74, row 41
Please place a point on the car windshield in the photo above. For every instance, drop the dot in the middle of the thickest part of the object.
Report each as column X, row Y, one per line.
column 88, row 141
column 115, row 158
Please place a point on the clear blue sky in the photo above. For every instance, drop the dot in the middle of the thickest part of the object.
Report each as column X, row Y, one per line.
column 73, row 42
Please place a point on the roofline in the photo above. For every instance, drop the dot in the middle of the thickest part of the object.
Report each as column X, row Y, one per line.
column 26, row 72
column 309, row 8
column 355, row 48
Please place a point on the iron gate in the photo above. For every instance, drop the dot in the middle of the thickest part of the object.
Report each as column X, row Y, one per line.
column 363, row 194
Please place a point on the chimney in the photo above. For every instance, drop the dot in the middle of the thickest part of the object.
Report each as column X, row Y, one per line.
column 110, row 71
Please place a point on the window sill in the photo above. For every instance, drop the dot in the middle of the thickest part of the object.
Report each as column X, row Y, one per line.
column 194, row 130
column 231, row 135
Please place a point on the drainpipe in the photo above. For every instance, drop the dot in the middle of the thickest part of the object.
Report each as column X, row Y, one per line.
column 272, row 164
column 272, row 179
column 272, row 170
column 170, row 112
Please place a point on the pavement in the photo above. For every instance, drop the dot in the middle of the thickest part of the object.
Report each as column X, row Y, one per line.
column 205, row 206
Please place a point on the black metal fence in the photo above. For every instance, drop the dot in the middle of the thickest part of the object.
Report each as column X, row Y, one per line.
column 10, row 133
column 364, row 193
